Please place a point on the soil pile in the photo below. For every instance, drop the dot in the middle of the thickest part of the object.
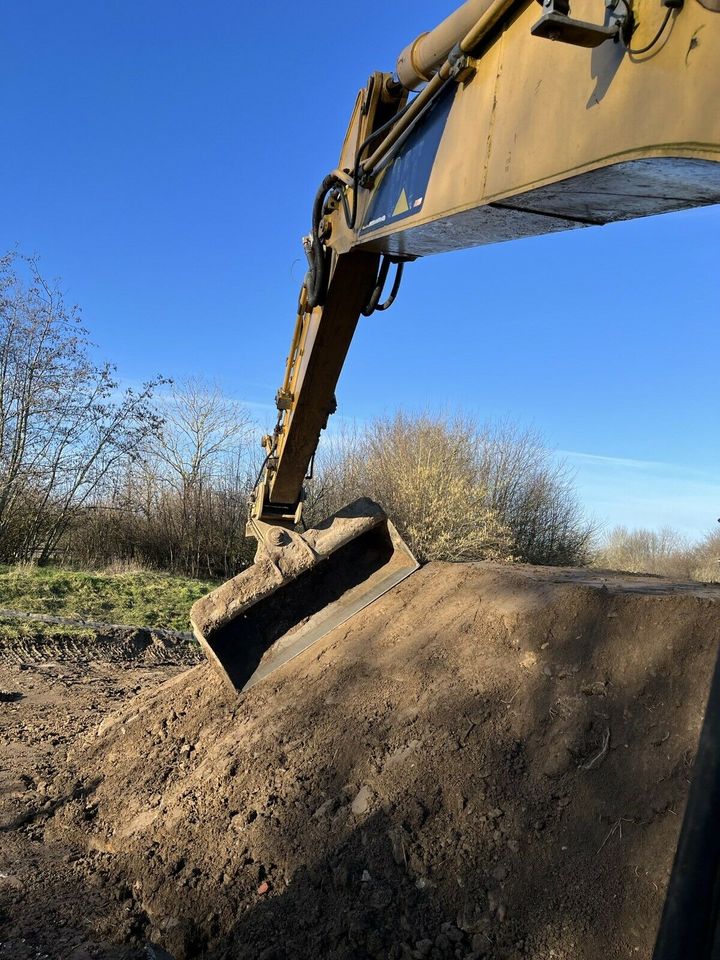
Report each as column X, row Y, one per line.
column 59, row 900
column 486, row 762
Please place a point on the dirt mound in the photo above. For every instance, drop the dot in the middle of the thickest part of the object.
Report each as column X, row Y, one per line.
column 487, row 762
column 58, row 900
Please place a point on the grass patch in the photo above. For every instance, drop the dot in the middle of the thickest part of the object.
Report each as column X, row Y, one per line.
column 143, row 599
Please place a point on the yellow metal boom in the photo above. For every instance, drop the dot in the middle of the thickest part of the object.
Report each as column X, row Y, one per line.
column 509, row 136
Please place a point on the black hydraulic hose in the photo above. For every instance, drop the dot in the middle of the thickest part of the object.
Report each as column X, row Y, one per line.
column 395, row 288
column 384, row 129
column 426, row 108
column 318, row 256
column 689, row 925
column 661, row 30
column 373, row 303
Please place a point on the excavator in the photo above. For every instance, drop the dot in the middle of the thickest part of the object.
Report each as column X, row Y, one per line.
column 509, row 119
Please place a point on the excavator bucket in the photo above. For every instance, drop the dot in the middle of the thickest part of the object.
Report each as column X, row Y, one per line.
column 299, row 589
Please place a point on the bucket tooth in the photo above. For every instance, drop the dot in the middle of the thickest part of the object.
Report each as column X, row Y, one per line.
column 296, row 593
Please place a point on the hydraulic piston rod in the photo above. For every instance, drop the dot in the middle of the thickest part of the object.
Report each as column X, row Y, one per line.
column 421, row 58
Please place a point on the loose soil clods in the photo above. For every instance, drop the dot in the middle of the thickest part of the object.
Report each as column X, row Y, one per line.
column 416, row 785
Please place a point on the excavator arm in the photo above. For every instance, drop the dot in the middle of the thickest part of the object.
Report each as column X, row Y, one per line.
column 508, row 120
column 510, row 136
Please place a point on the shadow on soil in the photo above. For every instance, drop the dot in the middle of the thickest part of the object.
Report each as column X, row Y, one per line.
column 486, row 782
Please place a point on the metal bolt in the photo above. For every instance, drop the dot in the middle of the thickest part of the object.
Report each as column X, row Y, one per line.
column 276, row 537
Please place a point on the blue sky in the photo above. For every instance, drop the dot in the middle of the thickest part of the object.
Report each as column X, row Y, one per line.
column 162, row 157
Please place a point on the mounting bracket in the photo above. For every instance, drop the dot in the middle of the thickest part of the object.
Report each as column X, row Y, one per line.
column 557, row 24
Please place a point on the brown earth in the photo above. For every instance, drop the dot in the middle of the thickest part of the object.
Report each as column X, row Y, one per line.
column 487, row 762
column 108, row 642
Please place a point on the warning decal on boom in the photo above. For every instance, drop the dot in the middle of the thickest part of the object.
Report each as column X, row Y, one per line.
column 402, row 206
column 400, row 190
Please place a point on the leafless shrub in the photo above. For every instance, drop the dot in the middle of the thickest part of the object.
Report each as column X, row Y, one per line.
column 423, row 470
column 706, row 559
column 662, row 552
column 457, row 491
column 534, row 495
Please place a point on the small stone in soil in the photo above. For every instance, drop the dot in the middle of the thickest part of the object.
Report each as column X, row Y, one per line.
column 361, row 803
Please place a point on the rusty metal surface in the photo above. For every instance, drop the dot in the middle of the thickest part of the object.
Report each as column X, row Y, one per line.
column 293, row 596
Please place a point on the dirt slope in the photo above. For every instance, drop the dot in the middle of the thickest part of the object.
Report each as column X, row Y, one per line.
column 487, row 762
column 60, row 900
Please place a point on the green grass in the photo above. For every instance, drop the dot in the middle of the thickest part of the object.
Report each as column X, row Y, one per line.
column 142, row 599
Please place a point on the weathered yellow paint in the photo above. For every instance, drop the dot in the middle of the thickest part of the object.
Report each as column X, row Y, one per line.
column 538, row 113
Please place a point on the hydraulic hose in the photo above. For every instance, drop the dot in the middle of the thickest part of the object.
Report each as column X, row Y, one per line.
column 318, row 256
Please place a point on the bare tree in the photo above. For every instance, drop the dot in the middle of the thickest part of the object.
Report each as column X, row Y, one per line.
column 202, row 428
column 198, row 469
column 181, row 503
column 64, row 425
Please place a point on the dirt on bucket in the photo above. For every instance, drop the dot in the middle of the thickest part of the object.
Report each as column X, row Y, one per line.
column 489, row 761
